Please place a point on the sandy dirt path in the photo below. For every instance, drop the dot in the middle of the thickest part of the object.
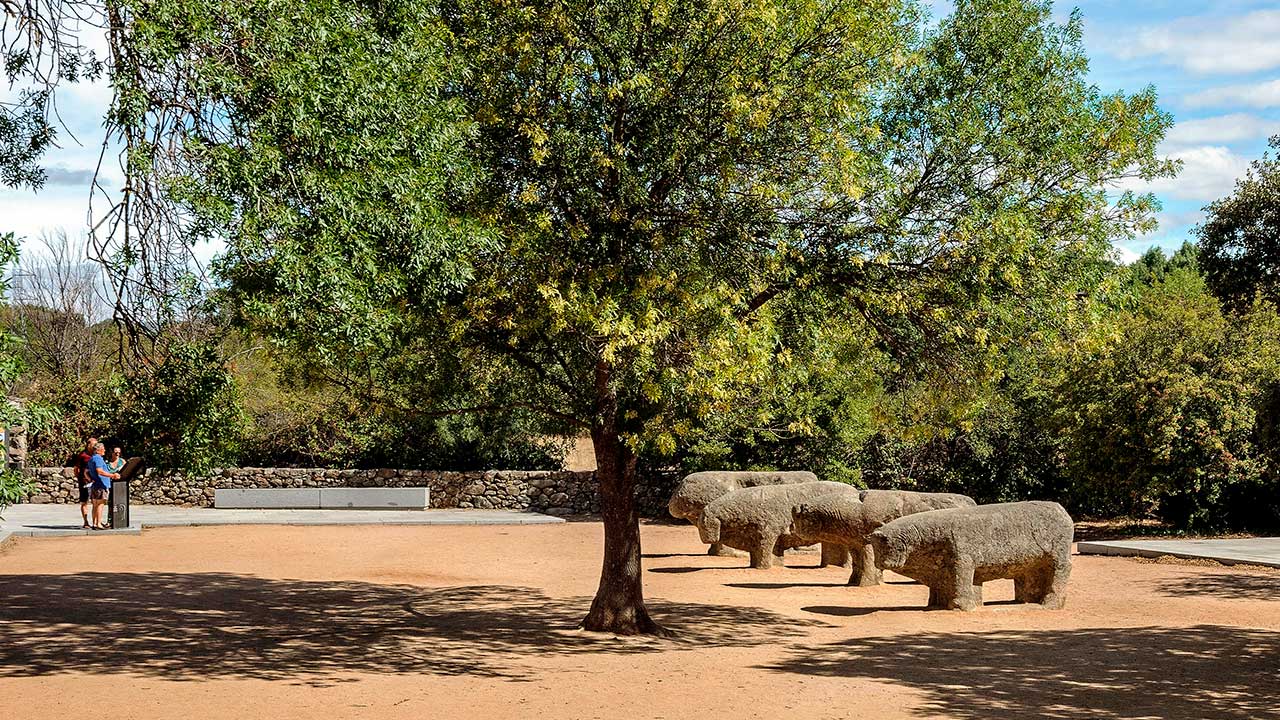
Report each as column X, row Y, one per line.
column 478, row 622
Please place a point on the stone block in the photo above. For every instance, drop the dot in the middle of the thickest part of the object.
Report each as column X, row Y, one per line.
column 273, row 498
column 407, row 498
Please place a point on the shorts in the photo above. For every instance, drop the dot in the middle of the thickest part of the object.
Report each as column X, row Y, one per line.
column 84, row 493
column 100, row 493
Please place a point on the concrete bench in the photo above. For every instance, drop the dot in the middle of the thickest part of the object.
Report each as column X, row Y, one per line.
column 339, row 498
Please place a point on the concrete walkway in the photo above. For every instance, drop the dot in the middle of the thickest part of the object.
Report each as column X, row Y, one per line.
column 59, row 520
column 1249, row 551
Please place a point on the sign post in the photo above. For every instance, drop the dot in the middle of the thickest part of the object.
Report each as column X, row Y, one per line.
column 119, row 502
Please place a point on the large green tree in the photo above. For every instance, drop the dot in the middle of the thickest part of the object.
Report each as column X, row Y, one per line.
column 592, row 210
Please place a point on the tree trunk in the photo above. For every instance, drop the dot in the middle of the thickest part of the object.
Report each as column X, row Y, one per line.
column 619, row 603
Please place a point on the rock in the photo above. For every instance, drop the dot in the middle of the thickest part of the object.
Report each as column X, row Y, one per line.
column 842, row 519
column 697, row 490
column 955, row 551
column 759, row 519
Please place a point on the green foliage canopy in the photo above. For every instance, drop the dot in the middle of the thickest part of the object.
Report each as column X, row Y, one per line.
column 649, row 183
column 184, row 414
column 598, row 211
column 1240, row 238
column 1160, row 408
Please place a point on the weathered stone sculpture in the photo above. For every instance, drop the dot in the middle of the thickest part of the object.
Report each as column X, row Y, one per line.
column 699, row 489
column 760, row 519
column 842, row 519
column 955, row 551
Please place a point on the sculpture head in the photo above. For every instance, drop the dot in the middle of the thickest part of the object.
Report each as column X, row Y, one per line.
column 889, row 555
column 694, row 494
column 708, row 529
column 837, row 514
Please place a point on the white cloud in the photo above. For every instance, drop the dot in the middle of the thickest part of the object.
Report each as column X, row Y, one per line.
column 1220, row 129
column 1170, row 220
column 1258, row 95
column 28, row 214
column 1208, row 44
column 1123, row 255
column 1208, row 173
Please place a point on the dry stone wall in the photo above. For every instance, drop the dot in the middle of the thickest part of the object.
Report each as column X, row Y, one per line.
column 551, row 491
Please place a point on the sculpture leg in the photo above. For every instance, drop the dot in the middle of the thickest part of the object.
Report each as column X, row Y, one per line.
column 1022, row 589
column 965, row 594
column 833, row 554
column 864, row 573
column 718, row 550
column 762, row 556
column 1033, row 584
column 1057, row 575
column 1044, row 584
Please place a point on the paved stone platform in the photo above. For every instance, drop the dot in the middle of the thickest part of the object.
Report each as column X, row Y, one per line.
column 58, row 520
column 1250, row 551
column 339, row 498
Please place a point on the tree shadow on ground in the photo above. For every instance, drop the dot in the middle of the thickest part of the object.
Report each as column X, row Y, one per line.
column 202, row 625
column 674, row 555
column 850, row 611
column 1206, row 671
column 1221, row 585
column 784, row 585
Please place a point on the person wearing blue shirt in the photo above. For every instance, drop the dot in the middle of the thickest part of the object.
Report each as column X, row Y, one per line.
column 102, row 476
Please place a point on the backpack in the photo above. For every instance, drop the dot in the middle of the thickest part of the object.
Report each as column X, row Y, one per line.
column 81, row 464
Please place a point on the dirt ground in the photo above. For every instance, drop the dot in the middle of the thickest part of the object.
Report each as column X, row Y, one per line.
column 477, row 622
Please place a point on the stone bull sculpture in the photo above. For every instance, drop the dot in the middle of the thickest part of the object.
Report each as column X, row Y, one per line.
column 760, row 519
column 955, row 551
column 699, row 489
column 848, row 520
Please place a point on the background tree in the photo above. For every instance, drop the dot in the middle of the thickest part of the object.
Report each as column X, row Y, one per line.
column 58, row 299
column 1240, row 237
column 591, row 211
column 13, row 486
column 657, row 183
column 1162, row 409
column 1154, row 266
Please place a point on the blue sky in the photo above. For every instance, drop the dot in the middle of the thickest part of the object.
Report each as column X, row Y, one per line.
column 1215, row 65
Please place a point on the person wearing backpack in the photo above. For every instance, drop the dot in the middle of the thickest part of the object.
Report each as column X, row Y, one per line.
column 83, row 481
